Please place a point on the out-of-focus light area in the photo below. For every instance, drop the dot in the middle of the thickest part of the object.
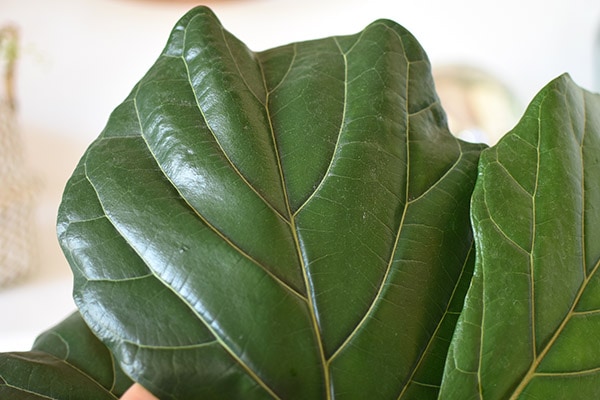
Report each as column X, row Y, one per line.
column 79, row 59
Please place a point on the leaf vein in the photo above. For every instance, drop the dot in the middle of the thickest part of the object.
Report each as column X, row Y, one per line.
column 217, row 141
column 209, row 224
column 399, row 231
column 437, row 328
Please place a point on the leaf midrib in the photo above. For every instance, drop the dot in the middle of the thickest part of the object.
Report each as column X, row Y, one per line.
column 294, row 230
column 538, row 358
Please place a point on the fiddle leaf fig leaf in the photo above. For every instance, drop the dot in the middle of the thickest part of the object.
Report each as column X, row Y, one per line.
column 289, row 224
column 66, row 362
column 531, row 323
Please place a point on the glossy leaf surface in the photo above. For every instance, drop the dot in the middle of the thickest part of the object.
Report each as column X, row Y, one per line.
column 66, row 362
column 287, row 224
column 531, row 323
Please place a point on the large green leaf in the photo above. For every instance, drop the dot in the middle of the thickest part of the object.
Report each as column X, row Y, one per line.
column 66, row 362
column 287, row 224
column 531, row 323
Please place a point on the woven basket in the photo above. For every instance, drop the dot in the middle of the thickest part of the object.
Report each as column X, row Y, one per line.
column 17, row 183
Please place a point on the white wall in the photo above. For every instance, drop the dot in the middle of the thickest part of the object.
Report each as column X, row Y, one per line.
column 82, row 56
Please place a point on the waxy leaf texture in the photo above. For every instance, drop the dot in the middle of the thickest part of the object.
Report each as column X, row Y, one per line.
column 288, row 224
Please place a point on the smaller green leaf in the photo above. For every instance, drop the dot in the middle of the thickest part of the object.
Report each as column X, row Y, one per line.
column 66, row 362
column 530, row 327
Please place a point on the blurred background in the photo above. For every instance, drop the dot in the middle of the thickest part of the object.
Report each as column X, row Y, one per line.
column 78, row 59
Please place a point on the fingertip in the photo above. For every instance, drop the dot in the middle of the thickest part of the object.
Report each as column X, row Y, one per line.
column 138, row 392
